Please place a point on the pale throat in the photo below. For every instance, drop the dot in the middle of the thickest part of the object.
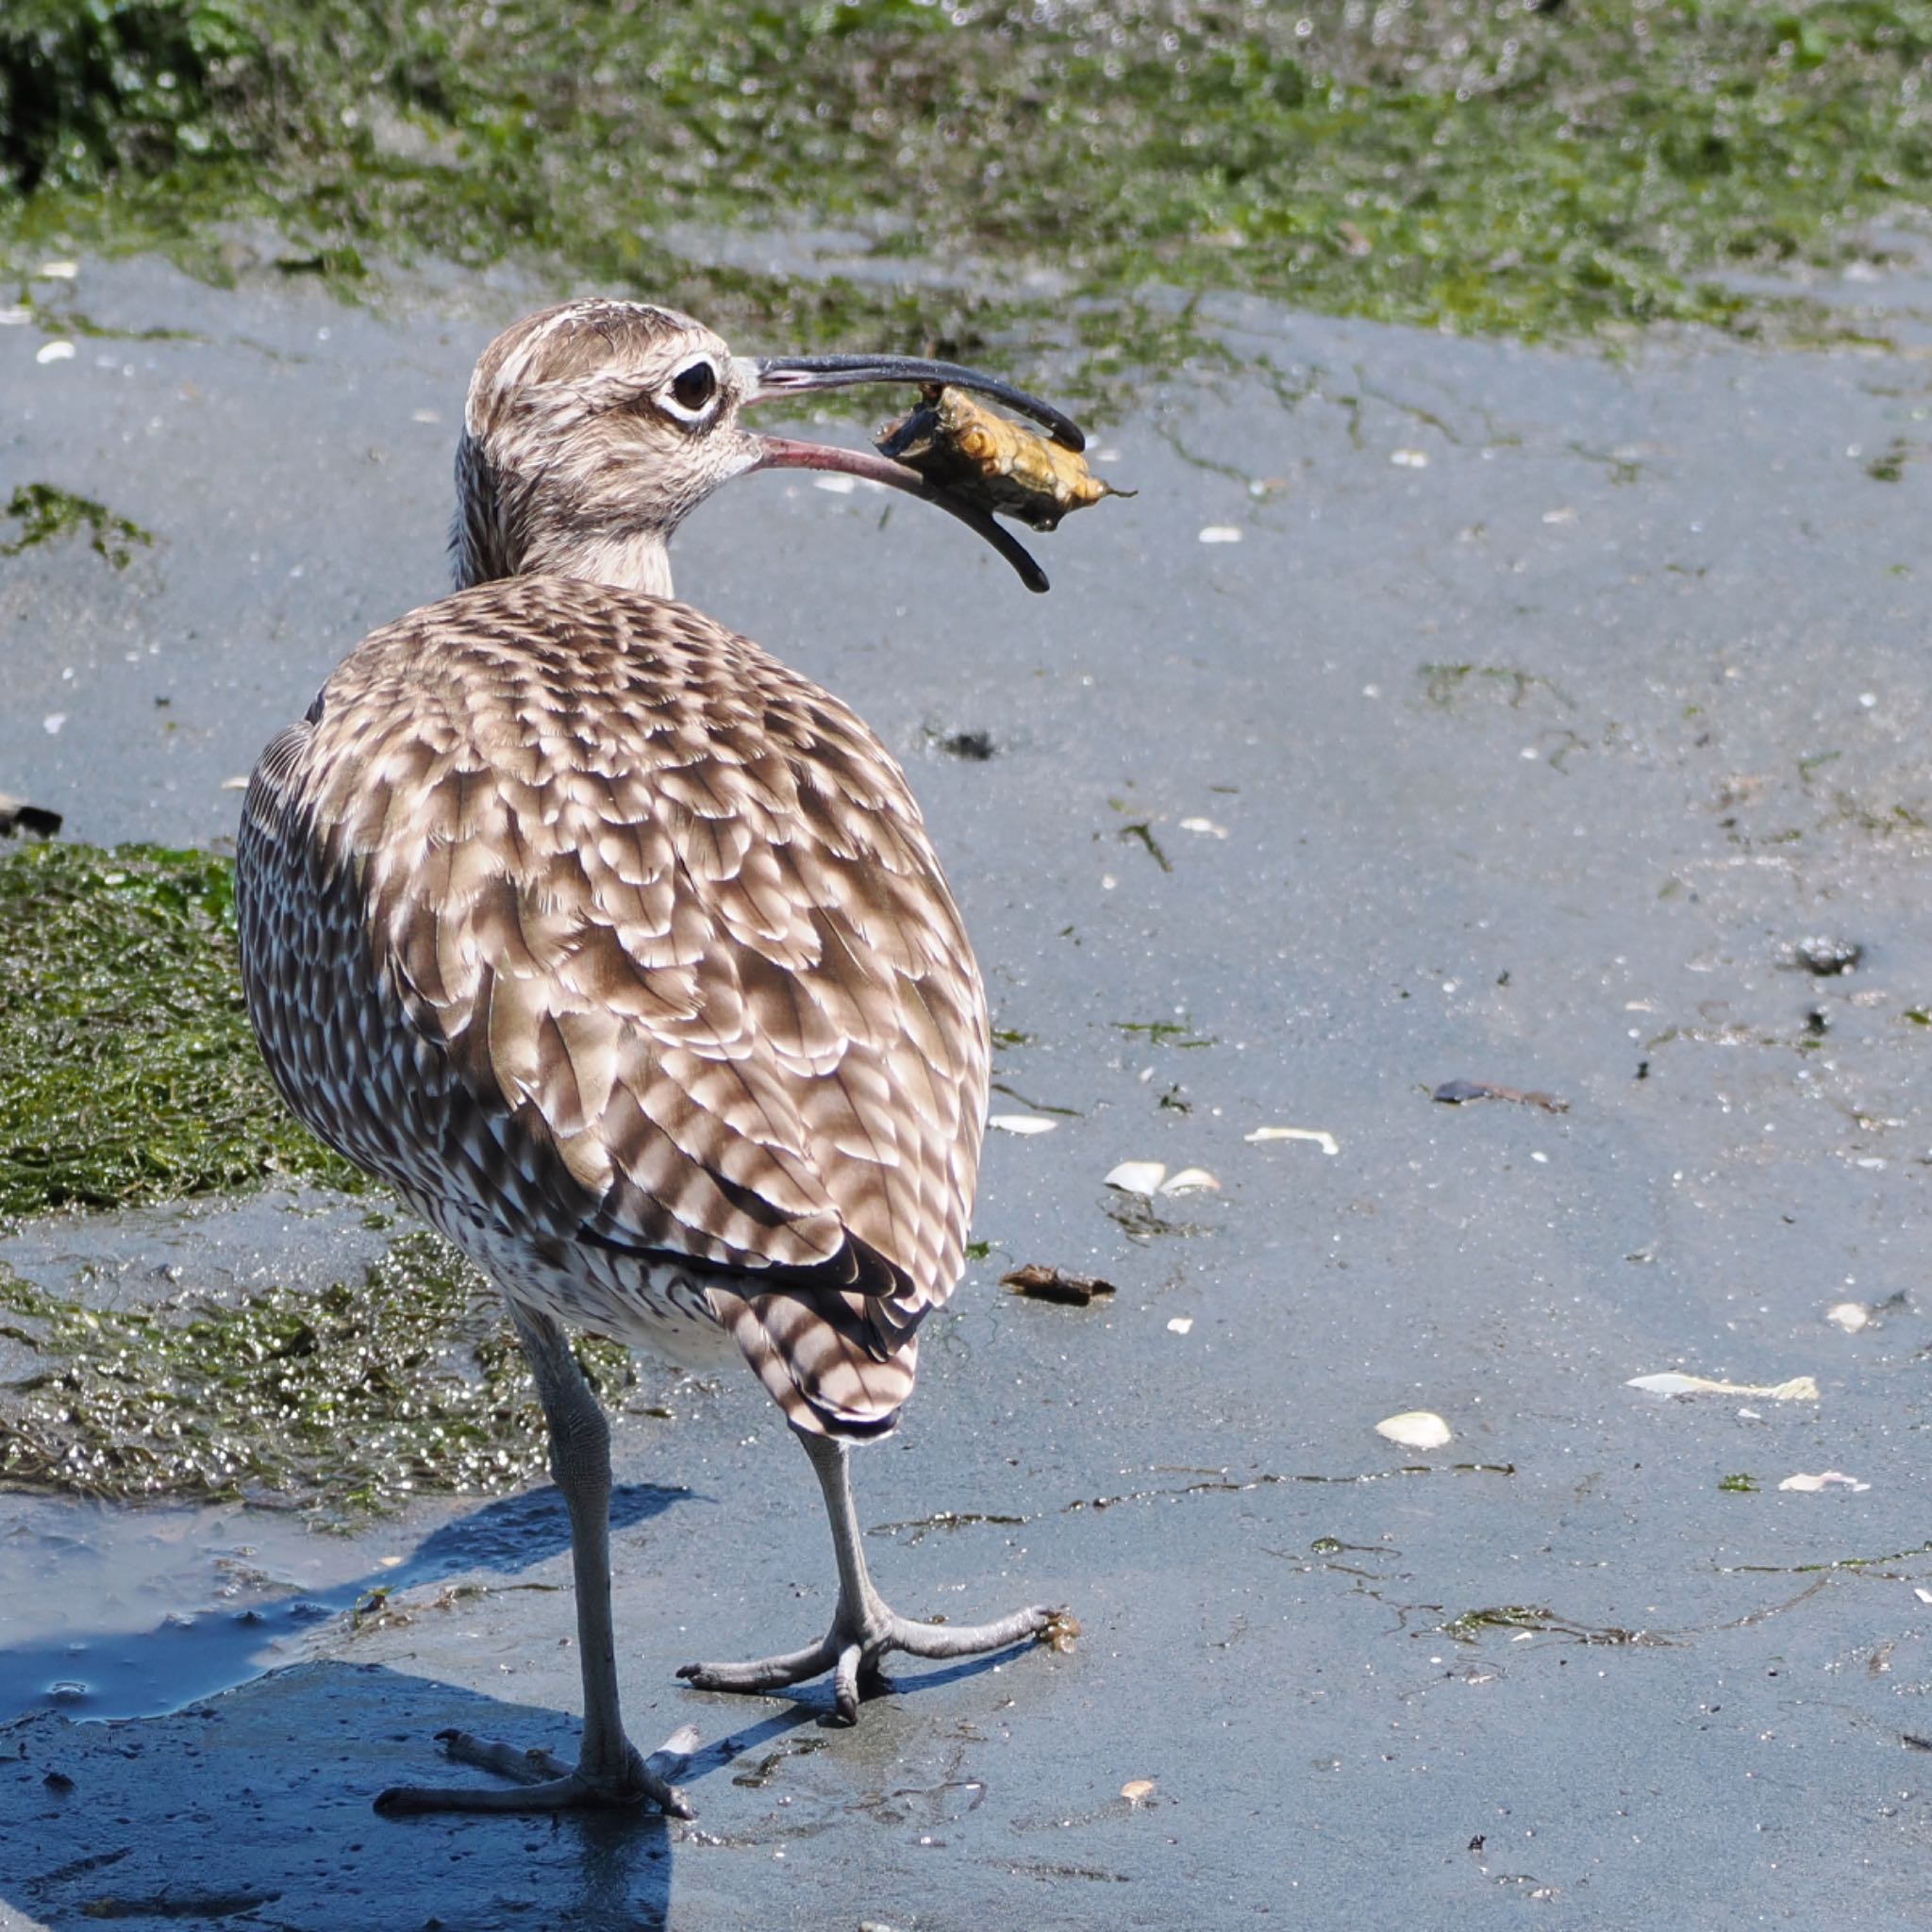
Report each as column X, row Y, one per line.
column 624, row 561
column 632, row 560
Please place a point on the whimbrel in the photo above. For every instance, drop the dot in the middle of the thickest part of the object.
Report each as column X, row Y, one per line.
column 621, row 953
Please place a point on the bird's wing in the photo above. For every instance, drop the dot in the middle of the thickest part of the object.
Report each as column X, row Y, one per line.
column 674, row 954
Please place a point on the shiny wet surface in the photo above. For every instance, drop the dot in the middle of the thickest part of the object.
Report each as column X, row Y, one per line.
column 1538, row 710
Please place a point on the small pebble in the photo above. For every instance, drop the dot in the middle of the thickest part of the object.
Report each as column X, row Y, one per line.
column 1826, row 955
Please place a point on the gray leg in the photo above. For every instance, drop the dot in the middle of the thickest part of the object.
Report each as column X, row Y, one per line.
column 865, row 1627
column 609, row 1770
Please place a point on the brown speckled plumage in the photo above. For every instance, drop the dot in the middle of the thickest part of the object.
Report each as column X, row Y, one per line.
column 620, row 951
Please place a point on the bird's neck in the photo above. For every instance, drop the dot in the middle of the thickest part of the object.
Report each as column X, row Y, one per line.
column 632, row 560
column 500, row 531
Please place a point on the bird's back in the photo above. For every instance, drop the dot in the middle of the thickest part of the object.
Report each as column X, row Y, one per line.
column 620, row 950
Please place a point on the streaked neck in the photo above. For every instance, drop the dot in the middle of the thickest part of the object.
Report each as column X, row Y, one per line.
column 503, row 531
column 638, row 561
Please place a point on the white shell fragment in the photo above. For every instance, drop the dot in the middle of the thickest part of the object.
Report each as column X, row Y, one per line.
column 1022, row 1122
column 1190, row 1180
column 57, row 271
column 1831, row 1479
column 1850, row 1316
column 1150, row 1178
column 669, row 1755
column 55, row 352
column 1206, row 827
column 1799, row 1388
column 1416, row 1428
column 1136, row 1789
column 1320, row 1136
column 836, row 486
column 1180, row 1324
column 1410, row 458
column 1220, row 533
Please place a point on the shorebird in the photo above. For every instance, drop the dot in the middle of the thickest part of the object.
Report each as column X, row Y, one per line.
column 621, row 953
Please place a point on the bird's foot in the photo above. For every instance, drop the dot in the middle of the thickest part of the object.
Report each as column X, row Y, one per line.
column 853, row 1648
column 543, row 1782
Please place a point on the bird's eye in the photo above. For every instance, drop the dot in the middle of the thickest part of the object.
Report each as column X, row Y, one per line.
column 694, row 386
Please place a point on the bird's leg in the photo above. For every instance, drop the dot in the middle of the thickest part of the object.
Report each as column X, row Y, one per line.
column 865, row 1627
column 609, row 1771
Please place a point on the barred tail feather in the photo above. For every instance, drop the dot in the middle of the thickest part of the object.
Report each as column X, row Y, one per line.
column 820, row 1360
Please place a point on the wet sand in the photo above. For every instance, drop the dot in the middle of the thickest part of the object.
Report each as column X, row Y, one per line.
column 1541, row 705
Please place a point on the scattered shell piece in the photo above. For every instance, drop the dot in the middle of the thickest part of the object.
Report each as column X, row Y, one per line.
column 1563, row 515
column 1022, row 1122
column 1150, row 1178
column 1180, row 1324
column 1799, row 1388
column 14, row 315
column 1205, row 825
column 839, row 485
column 236, row 784
column 425, row 415
column 1830, row 1478
column 1850, row 1316
column 55, row 352
column 677, row 1746
column 1136, row 1789
column 1062, row 1631
column 1455, row 1093
column 1044, row 1284
column 1320, row 1136
column 1410, row 458
column 57, row 271
column 52, row 722
column 1824, row 954
column 1924, row 1595
column 1220, row 533
column 1190, row 1180
column 1416, row 1428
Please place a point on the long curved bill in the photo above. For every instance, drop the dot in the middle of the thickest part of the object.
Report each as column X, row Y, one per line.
column 769, row 378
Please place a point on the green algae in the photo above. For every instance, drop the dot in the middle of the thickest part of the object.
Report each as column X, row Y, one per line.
column 408, row 1382
column 1473, row 1626
column 45, row 511
column 128, row 1070
column 1448, row 686
column 1079, row 172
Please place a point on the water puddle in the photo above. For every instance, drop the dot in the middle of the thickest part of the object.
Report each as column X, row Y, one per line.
column 112, row 1612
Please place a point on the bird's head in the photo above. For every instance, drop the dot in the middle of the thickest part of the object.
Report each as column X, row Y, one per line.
column 593, row 431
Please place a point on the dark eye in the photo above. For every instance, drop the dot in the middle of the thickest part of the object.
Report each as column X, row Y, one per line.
column 695, row 386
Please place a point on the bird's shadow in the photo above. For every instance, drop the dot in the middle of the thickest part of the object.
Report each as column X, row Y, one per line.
column 273, row 1782
column 515, row 1532
column 184, row 1658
